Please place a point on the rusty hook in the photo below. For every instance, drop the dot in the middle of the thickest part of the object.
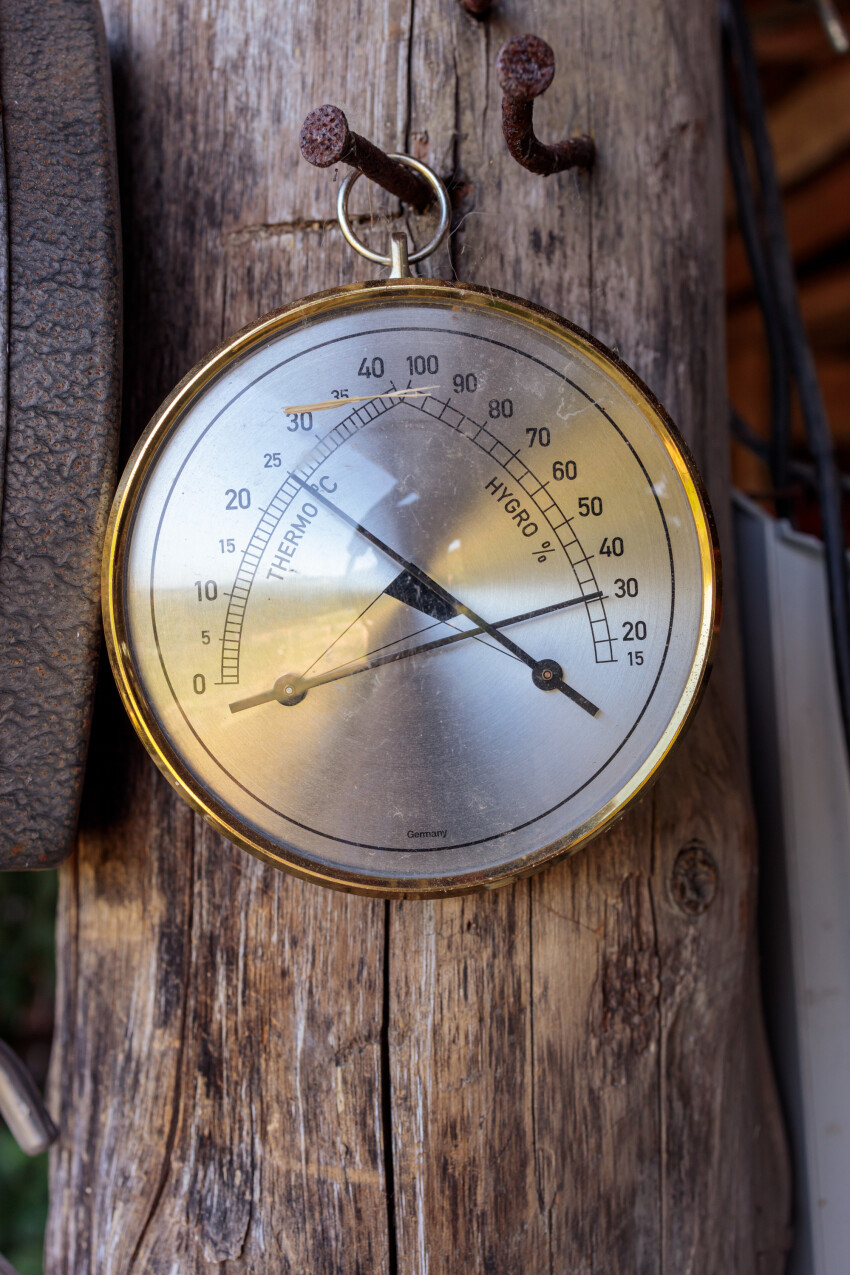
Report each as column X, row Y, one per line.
column 477, row 8
column 326, row 139
column 526, row 66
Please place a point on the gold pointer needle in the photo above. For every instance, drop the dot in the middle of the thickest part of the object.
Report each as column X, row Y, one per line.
column 292, row 689
column 416, row 392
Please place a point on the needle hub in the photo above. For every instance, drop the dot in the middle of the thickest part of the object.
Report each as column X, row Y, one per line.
column 547, row 675
column 289, row 689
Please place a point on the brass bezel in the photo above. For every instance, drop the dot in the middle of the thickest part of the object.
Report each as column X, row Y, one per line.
column 167, row 418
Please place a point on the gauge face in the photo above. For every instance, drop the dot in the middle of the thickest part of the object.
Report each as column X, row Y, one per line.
column 410, row 588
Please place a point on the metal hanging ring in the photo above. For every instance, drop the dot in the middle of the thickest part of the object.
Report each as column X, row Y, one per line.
column 442, row 196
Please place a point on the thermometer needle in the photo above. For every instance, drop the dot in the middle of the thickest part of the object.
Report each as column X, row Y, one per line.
column 546, row 674
column 291, row 689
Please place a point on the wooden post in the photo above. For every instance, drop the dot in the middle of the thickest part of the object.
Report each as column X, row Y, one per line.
column 566, row 1075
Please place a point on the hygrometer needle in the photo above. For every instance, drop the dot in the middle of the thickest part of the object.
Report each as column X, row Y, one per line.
column 297, row 687
column 548, row 678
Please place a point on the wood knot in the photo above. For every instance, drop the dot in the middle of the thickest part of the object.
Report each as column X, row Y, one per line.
column 693, row 881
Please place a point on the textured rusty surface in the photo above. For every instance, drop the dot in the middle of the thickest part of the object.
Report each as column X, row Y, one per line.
column 326, row 139
column 4, row 311
column 63, row 401
column 526, row 67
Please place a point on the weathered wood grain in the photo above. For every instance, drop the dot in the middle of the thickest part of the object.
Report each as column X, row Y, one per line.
column 565, row 1075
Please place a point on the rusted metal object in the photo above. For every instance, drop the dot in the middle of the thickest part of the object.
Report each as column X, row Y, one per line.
column 526, row 67
column 60, row 275
column 326, row 139
column 21, row 1105
column 478, row 8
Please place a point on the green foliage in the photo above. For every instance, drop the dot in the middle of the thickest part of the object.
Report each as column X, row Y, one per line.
column 27, row 907
column 23, row 1205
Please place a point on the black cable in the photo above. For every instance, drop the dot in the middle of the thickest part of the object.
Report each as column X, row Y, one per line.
column 744, row 434
column 780, row 397
column 797, row 351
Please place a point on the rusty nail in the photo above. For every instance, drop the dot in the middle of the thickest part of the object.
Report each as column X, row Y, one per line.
column 693, row 881
column 477, row 8
column 526, row 65
column 326, row 139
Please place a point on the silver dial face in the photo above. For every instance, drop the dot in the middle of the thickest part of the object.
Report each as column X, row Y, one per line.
column 410, row 590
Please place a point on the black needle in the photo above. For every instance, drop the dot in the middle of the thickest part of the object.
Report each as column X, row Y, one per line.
column 292, row 689
column 555, row 681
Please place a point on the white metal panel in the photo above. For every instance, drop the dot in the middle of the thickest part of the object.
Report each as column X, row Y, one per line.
column 802, row 789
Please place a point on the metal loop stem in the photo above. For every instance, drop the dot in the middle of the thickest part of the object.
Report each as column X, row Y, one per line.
column 380, row 259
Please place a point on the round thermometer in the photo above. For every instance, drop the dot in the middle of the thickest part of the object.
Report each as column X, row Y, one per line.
column 410, row 588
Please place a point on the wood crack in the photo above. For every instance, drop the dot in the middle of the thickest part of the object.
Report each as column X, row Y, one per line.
column 452, row 243
column 408, row 122
column 387, row 1103
column 171, row 1138
column 660, row 1055
column 300, row 225
column 546, row 1213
